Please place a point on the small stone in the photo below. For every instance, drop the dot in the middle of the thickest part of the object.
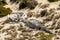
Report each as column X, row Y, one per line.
column 43, row 13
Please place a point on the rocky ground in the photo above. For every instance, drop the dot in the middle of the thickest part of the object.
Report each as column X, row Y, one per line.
column 44, row 14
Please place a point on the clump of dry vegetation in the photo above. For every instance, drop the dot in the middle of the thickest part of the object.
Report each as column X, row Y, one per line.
column 4, row 11
column 53, row 0
column 25, row 3
column 2, row 3
column 28, row 3
column 46, row 36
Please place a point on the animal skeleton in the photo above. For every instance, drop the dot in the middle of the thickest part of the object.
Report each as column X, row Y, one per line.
column 20, row 17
